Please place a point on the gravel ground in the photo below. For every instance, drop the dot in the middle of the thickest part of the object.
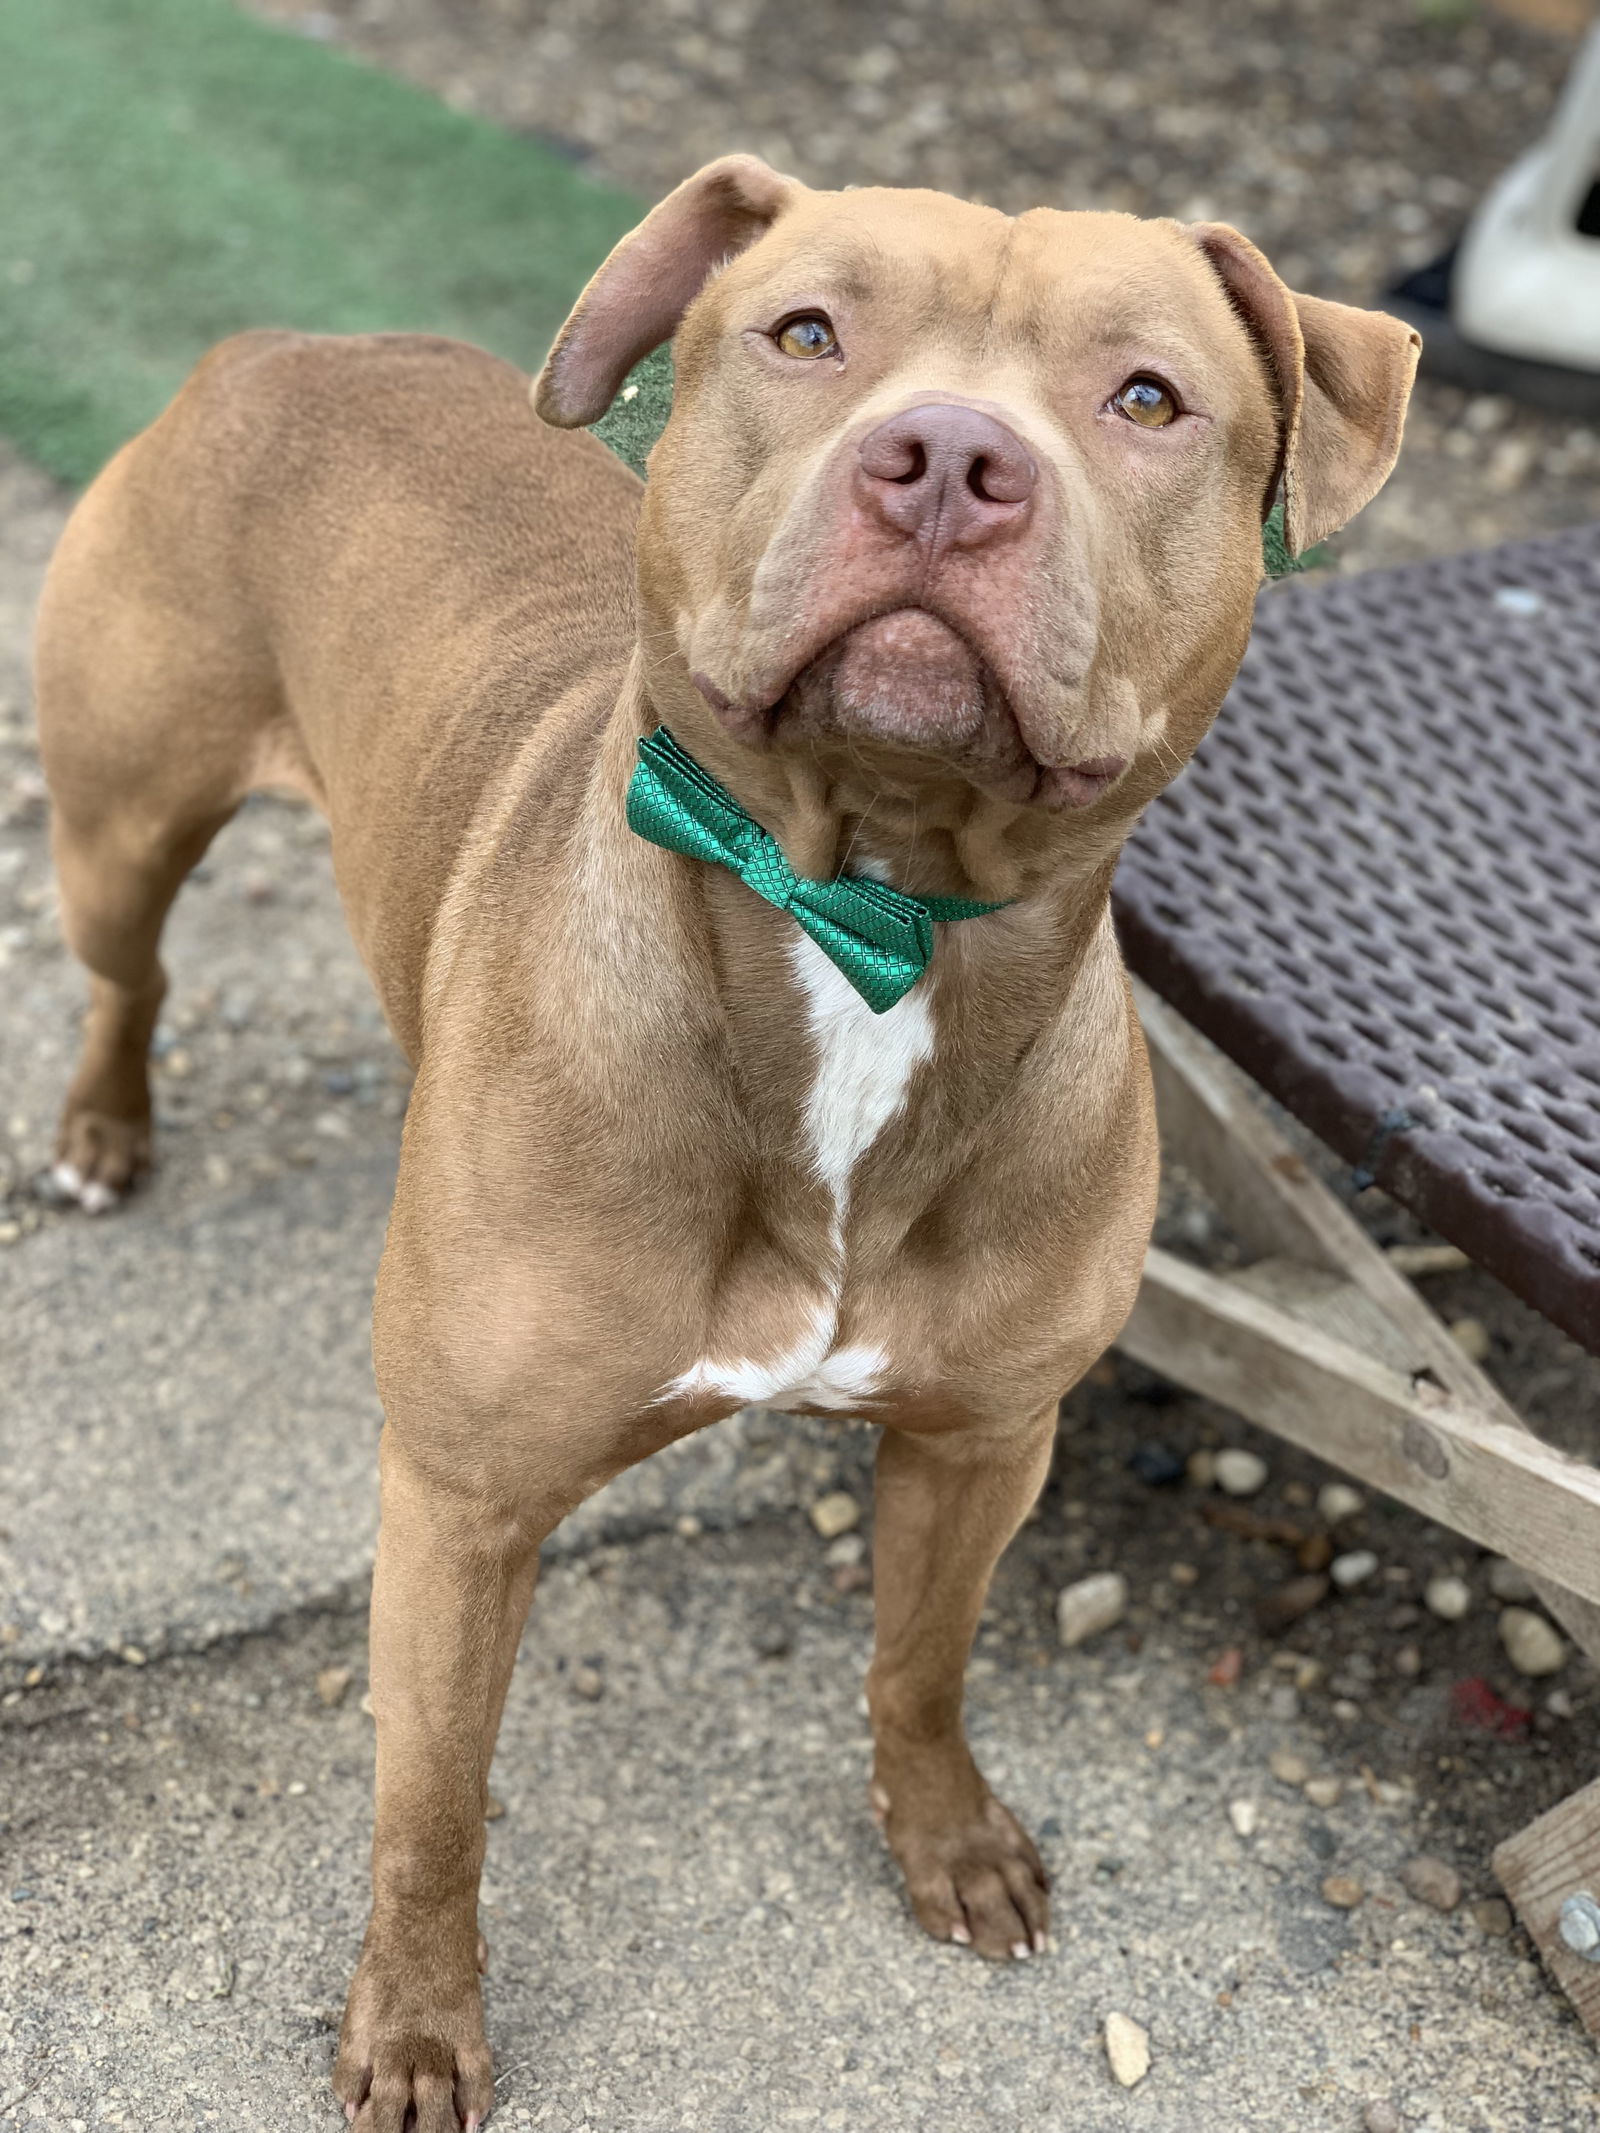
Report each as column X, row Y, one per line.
column 691, row 1921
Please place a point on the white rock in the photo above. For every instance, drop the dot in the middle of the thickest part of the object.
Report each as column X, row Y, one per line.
column 1244, row 1815
column 1349, row 1571
column 1471, row 1336
column 1127, row 2049
column 1448, row 1598
column 1510, row 1582
column 835, row 1514
column 1532, row 1646
column 1094, row 1604
column 1241, row 1473
column 1337, row 1501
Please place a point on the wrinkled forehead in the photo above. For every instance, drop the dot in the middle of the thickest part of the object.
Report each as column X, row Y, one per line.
column 1038, row 285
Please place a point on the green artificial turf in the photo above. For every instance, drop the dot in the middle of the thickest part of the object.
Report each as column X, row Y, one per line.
column 173, row 170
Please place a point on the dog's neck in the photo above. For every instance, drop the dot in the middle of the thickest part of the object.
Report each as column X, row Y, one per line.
column 999, row 980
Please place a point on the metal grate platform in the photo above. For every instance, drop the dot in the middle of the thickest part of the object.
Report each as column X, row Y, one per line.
column 1378, row 889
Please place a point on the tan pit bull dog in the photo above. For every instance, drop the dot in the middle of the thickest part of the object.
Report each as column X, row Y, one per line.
column 946, row 560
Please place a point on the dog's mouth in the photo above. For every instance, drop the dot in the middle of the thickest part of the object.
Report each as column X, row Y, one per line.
column 909, row 681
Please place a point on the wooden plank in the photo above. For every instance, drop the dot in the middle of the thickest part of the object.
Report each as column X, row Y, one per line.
column 1213, row 1123
column 1540, row 1868
column 1332, row 1302
column 1495, row 1482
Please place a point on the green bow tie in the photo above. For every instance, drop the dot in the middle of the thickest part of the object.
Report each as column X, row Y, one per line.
column 879, row 937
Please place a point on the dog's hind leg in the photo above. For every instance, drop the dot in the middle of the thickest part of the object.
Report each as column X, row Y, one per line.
column 148, row 714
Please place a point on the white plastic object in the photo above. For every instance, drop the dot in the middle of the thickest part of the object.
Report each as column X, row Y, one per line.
column 1525, row 281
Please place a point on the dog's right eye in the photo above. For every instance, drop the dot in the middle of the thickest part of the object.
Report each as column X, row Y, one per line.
column 808, row 336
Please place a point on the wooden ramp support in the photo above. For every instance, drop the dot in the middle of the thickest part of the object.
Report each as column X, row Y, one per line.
column 1322, row 1341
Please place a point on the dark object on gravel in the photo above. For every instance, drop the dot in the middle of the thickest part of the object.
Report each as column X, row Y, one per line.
column 1158, row 1466
column 1378, row 889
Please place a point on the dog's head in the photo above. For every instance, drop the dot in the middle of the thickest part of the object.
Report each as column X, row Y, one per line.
column 957, row 517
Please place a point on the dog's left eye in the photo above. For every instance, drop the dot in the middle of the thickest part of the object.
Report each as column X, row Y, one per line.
column 807, row 336
column 1147, row 402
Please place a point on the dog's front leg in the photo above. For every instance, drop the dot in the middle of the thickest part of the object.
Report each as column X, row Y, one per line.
column 450, row 1595
column 947, row 1503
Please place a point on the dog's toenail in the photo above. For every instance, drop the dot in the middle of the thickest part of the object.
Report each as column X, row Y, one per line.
column 961, row 1936
column 97, row 1199
column 1020, row 1951
column 67, row 1178
column 1039, row 1944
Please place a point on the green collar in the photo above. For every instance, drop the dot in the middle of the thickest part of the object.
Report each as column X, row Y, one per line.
column 881, row 938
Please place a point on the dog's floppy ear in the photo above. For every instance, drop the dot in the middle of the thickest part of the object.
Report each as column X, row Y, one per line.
column 652, row 277
column 1343, row 378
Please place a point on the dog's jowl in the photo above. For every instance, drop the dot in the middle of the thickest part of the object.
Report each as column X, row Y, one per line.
column 731, row 856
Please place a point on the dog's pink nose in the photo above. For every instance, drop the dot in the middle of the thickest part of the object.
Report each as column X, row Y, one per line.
column 946, row 474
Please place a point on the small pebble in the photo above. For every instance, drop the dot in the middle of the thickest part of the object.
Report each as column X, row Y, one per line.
column 1510, row 1582
column 1532, row 1645
column 1241, row 1473
column 332, row 1684
column 1127, row 2050
column 589, row 1683
column 1202, row 1469
column 1471, row 1336
column 1337, row 1501
column 1381, row 2118
column 1343, row 1893
column 1492, row 1915
column 1184, row 1574
column 835, row 1514
column 1408, row 1661
column 493, row 1809
column 1447, row 1597
column 1349, row 1571
column 848, row 1548
column 1276, row 1610
column 1244, row 1815
column 1090, row 1606
column 1432, row 1882
column 1325, row 1792
column 1288, row 1768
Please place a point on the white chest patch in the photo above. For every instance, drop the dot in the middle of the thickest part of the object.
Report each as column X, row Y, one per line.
column 864, row 1068
column 864, row 1065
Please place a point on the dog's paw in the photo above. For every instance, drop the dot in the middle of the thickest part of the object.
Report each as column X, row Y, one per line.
column 98, row 1159
column 412, row 2052
column 975, row 1879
